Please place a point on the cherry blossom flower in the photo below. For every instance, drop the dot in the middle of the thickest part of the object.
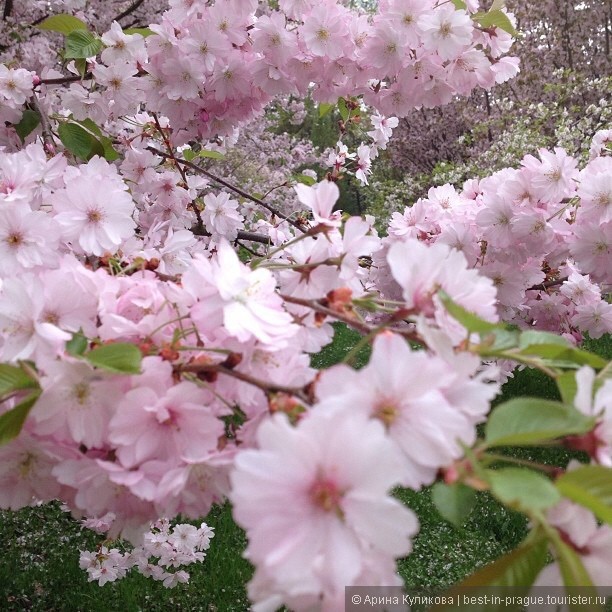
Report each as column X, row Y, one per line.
column 446, row 30
column 325, row 507
column 321, row 199
column 94, row 212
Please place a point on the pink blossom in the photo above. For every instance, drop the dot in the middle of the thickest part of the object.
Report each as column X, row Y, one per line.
column 314, row 501
column 94, row 210
column 321, row 198
column 446, row 30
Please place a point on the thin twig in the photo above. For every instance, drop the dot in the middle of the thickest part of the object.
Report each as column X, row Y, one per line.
column 546, row 284
column 233, row 188
column 360, row 326
column 65, row 79
column 181, row 170
column 129, row 10
column 267, row 387
column 47, row 134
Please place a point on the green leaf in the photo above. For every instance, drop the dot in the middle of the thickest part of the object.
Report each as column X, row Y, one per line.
column 498, row 340
column 77, row 345
column 454, row 502
column 522, row 489
column 496, row 19
column 591, row 487
column 325, row 108
column 304, row 179
column 566, row 356
column 497, row 5
column 82, row 44
column 119, row 357
column 459, row 4
column 211, row 154
column 14, row 378
column 110, row 153
column 12, row 421
column 567, row 387
column 524, row 421
column 512, row 575
column 342, row 107
column 144, row 32
column 529, row 338
column 81, row 65
column 64, row 24
column 469, row 320
column 29, row 122
column 80, row 142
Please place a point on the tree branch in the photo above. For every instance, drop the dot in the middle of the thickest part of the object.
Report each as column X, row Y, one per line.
column 547, row 284
column 242, row 235
column 193, row 206
column 8, row 9
column 360, row 326
column 67, row 79
column 233, row 188
column 47, row 134
column 267, row 387
column 129, row 10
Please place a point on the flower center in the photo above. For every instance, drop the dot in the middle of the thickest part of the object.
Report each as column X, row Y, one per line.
column 386, row 412
column 445, row 30
column 80, row 392
column 14, row 239
column 325, row 494
column 94, row 216
column 322, row 34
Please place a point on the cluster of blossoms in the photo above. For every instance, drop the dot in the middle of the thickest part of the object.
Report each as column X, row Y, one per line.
column 165, row 548
column 542, row 233
column 209, row 68
column 360, row 162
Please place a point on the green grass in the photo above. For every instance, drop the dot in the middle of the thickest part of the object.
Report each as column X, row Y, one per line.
column 39, row 561
column 39, row 569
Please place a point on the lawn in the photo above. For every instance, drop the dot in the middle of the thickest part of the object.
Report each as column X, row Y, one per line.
column 39, row 563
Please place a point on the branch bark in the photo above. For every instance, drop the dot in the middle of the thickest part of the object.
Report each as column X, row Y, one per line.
column 8, row 9
column 129, row 10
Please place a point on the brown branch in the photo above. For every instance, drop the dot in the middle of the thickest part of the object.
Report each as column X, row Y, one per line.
column 47, row 134
column 181, row 170
column 129, row 10
column 547, row 284
column 267, row 387
column 8, row 9
column 233, row 188
column 360, row 326
column 67, row 79
column 242, row 235
column 253, row 237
